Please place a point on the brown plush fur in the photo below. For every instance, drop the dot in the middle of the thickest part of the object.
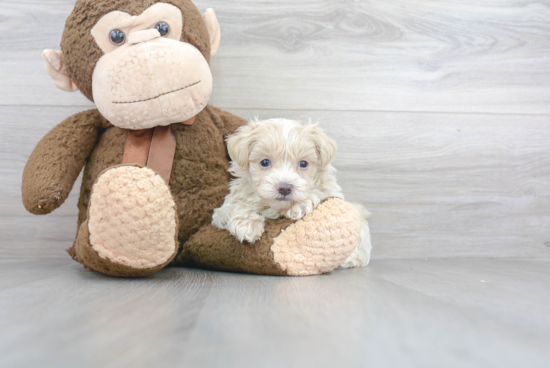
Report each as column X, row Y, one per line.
column 217, row 249
column 81, row 52
column 199, row 179
column 57, row 161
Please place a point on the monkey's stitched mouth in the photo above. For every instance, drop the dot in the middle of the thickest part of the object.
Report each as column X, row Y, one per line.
column 162, row 94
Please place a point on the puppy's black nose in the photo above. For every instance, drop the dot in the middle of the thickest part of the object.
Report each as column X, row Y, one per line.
column 285, row 189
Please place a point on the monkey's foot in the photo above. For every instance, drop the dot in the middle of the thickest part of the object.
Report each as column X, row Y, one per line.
column 316, row 244
column 320, row 242
column 132, row 220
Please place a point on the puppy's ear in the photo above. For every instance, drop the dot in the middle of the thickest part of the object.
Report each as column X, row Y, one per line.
column 326, row 146
column 239, row 143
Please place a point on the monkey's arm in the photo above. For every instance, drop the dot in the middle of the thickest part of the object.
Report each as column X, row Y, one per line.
column 316, row 244
column 57, row 160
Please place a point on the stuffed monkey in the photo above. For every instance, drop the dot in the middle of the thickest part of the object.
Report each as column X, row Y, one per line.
column 153, row 152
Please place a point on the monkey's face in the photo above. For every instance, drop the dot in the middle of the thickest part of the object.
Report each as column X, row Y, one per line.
column 147, row 76
column 143, row 65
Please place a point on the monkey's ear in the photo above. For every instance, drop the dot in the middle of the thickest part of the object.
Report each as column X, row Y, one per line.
column 55, row 66
column 213, row 30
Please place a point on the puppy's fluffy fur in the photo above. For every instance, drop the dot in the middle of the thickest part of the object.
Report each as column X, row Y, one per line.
column 282, row 168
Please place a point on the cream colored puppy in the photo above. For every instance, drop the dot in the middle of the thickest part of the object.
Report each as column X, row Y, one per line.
column 281, row 168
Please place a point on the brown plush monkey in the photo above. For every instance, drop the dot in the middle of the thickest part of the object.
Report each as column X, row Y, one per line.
column 154, row 157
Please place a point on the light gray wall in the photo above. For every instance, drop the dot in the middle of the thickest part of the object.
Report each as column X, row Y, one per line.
column 441, row 109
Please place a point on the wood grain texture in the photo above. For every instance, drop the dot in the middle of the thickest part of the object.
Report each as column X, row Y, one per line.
column 394, row 313
column 439, row 185
column 445, row 184
column 418, row 55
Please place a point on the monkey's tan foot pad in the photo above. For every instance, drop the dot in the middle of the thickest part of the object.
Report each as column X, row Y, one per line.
column 132, row 218
column 320, row 242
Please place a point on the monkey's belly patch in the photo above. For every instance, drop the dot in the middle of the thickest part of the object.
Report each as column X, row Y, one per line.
column 319, row 242
column 132, row 218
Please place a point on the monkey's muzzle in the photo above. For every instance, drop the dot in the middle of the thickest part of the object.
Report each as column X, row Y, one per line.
column 150, row 82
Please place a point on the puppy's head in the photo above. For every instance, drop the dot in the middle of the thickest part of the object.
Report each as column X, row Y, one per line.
column 282, row 159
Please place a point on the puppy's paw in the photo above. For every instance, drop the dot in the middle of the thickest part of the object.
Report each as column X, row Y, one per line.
column 301, row 209
column 250, row 229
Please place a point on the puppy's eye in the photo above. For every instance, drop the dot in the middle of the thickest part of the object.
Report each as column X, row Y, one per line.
column 265, row 163
column 303, row 164
column 117, row 37
column 163, row 28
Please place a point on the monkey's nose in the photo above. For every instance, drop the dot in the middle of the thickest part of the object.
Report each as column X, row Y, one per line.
column 143, row 36
column 285, row 189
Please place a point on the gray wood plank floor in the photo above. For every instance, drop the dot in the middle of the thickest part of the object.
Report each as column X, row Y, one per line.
column 394, row 313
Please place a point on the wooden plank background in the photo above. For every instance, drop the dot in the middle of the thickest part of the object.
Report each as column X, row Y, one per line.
column 441, row 109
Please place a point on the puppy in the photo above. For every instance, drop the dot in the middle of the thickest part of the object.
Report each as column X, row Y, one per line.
column 282, row 168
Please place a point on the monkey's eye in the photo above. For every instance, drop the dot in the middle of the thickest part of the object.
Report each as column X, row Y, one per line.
column 303, row 164
column 163, row 28
column 265, row 163
column 117, row 37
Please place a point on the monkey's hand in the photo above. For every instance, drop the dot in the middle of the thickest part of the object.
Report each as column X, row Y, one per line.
column 57, row 160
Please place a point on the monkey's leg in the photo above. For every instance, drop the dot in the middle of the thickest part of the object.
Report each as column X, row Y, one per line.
column 131, row 227
column 316, row 244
